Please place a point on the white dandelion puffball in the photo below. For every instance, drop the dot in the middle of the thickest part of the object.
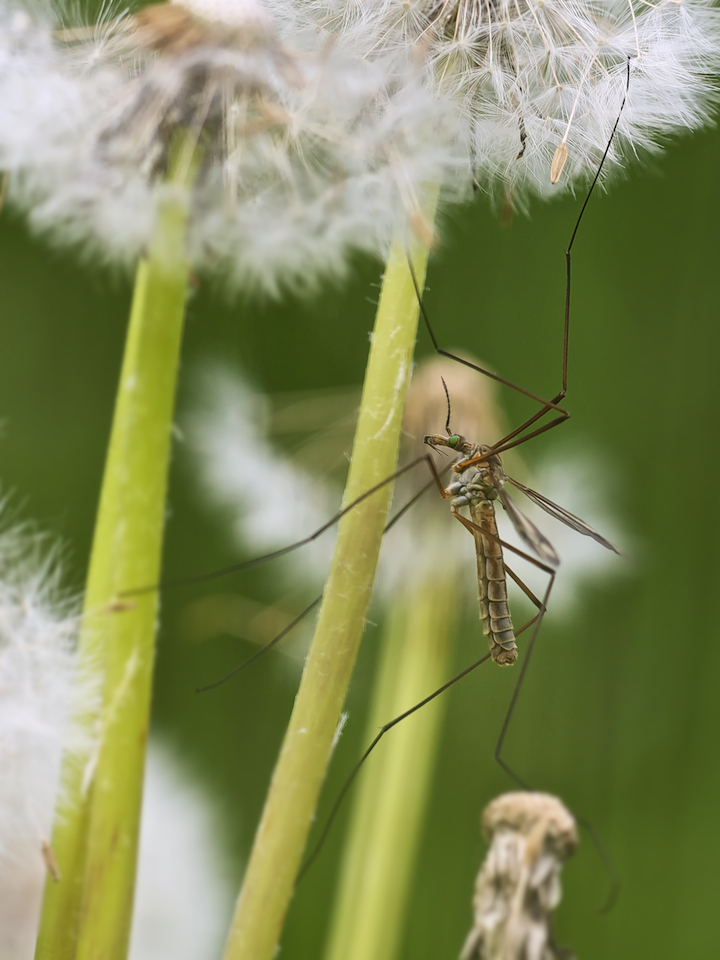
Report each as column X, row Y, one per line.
column 540, row 83
column 300, row 157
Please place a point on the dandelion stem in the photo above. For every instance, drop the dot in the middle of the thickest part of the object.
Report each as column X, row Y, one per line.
column 386, row 824
column 88, row 913
column 305, row 753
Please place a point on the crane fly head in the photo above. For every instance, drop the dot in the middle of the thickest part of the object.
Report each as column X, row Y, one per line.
column 455, row 441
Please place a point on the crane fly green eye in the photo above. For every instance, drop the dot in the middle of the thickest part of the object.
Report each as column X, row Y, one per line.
column 453, row 441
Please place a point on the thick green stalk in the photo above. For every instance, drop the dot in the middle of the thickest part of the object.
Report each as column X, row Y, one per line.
column 386, row 825
column 301, row 766
column 88, row 912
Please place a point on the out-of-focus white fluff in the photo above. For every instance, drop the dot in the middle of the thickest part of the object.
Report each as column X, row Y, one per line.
column 183, row 896
column 530, row 75
column 302, row 157
column 37, row 640
column 38, row 627
column 270, row 500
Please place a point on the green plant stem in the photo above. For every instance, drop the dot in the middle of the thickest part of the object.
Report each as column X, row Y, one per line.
column 386, row 825
column 305, row 753
column 87, row 914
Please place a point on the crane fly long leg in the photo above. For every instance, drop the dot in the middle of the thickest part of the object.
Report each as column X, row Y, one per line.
column 480, row 483
column 524, row 587
column 547, row 405
column 534, row 539
column 356, row 769
column 283, row 551
column 604, row 856
column 537, row 623
column 312, row 856
column 264, row 649
column 436, row 481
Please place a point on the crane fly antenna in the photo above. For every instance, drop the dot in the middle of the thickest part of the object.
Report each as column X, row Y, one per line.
column 447, row 396
column 607, row 863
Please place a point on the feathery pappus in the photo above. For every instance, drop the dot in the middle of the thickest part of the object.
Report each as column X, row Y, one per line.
column 539, row 83
column 300, row 157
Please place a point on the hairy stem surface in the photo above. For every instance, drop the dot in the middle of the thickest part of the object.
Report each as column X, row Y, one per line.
column 305, row 753
column 87, row 914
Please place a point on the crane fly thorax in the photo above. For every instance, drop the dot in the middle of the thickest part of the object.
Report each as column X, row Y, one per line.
column 480, row 479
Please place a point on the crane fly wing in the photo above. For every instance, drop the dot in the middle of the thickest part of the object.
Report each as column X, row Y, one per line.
column 528, row 532
column 575, row 523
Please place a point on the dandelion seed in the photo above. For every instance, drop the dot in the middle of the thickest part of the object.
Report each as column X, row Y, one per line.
column 558, row 162
column 540, row 82
column 300, row 157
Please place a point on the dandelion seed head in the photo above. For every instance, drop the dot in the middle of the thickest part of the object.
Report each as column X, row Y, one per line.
column 301, row 157
column 540, row 83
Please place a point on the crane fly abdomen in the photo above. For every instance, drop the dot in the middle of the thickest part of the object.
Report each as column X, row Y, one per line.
column 492, row 586
column 478, row 485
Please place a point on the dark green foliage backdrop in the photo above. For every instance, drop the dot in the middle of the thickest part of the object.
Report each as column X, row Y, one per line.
column 620, row 716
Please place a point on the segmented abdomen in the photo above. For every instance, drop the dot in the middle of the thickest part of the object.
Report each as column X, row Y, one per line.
column 492, row 587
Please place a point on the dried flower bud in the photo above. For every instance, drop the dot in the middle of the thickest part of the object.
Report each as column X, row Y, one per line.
column 518, row 887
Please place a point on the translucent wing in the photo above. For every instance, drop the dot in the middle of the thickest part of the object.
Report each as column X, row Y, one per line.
column 528, row 532
column 575, row 523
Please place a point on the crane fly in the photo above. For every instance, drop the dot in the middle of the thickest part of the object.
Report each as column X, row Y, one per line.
column 480, row 483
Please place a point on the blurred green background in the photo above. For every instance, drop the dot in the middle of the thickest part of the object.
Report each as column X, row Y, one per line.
column 620, row 714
